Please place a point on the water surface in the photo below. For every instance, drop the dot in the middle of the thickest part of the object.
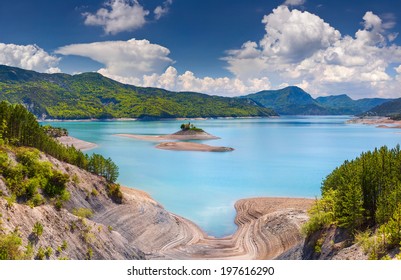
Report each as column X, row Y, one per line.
column 286, row 156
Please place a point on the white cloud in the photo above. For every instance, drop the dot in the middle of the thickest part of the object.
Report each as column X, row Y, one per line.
column 218, row 86
column 294, row 2
column 300, row 48
column 163, row 9
column 295, row 35
column 29, row 57
column 141, row 63
column 171, row 80
column 118, row 16
column 132, row 58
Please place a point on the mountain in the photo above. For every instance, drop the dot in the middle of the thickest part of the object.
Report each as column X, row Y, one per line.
column 295, row 101
column 288, row 101
column 91, row 95
column 391, row 108
column 344, row 105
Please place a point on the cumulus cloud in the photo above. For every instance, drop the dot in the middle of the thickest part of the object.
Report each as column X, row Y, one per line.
column 132, row 58
column 187, row 81
column 29, row 57
column 294, row 2
column 118, row 16
column 163, row 9
column 142, row 63
column 301, row 48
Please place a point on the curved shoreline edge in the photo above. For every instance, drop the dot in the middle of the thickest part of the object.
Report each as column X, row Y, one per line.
column 77, row 143
column 267, row 227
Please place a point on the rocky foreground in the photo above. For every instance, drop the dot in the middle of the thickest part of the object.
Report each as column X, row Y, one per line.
column 141, row 228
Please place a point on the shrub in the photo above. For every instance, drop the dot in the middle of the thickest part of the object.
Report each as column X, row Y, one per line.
column 94, row 192
column 37, row 229
column 10, row 247
column 83, row 212
column 114, row 192
column 40, row 255
column 48, row 252
column 64, row 246
column 89, row 253
column 56, row 184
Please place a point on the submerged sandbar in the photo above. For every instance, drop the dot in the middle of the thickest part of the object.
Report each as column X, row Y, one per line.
column 189, row 146
column 77, row 143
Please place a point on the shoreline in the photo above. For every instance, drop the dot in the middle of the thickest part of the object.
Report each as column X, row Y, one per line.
column 155, row 119
column 77, row 143
column 190, row 146
column 168, row 137
column 379, row 122
column 267, row 228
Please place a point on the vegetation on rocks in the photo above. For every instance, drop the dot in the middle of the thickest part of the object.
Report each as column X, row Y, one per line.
column 190, row 127
column 363, row 196
column 19, row 128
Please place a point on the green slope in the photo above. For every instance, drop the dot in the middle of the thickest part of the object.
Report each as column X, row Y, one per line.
column 391, row 108
column 295, row 101
column 344, row 105
column 289, row 101
column 91, row 95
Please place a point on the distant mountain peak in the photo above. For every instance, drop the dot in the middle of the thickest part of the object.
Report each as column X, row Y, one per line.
column 293, row 100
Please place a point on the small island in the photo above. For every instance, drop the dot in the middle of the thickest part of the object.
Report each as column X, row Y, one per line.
column 187, row 132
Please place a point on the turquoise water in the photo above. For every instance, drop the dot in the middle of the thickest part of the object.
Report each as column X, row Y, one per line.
column 287, row 156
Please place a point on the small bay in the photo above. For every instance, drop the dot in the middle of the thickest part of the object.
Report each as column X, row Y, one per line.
column 287, row 156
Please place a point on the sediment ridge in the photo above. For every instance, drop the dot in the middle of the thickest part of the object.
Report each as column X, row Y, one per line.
column 190, row 146
column 141, row 228
column 267, row 227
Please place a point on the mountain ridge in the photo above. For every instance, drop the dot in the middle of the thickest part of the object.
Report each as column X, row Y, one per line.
column 293, row 100
column 91, row 95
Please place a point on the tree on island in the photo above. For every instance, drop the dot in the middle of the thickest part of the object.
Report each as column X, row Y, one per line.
column 189, row 126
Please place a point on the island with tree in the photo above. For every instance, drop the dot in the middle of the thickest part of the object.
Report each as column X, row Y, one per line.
column 186, row 133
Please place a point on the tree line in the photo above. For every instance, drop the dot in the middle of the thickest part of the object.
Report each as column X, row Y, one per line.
column 362, row 195
column 19, row 127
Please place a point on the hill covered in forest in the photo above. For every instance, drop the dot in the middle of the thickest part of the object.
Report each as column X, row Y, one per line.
column 91, row 95
column 391, row 109
column 360, row 209
column 295, row 101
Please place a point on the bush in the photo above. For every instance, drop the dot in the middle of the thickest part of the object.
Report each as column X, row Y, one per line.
column 10, row 247
column 83, row 212
column 48, row 252
column 56, row 184
column 40, row 255
column 114, row 192
column 37, row 229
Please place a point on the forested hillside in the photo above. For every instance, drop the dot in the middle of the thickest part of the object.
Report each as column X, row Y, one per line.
column 389, row 109
column 91, row 95
column 34, row 175
column 19, row 130
column 295, row 101
column 363, row 196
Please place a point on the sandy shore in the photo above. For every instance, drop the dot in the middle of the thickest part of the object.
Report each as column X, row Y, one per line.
column 189, row 146
column 379, row 122
column 77, row 143
column 200, row 136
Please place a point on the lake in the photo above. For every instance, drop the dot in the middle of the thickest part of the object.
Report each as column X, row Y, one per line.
column 286, row 156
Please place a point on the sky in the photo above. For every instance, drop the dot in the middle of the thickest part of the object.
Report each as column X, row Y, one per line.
column 219, row 47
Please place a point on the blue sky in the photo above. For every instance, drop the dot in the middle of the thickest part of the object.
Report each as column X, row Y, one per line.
column 223, row 47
